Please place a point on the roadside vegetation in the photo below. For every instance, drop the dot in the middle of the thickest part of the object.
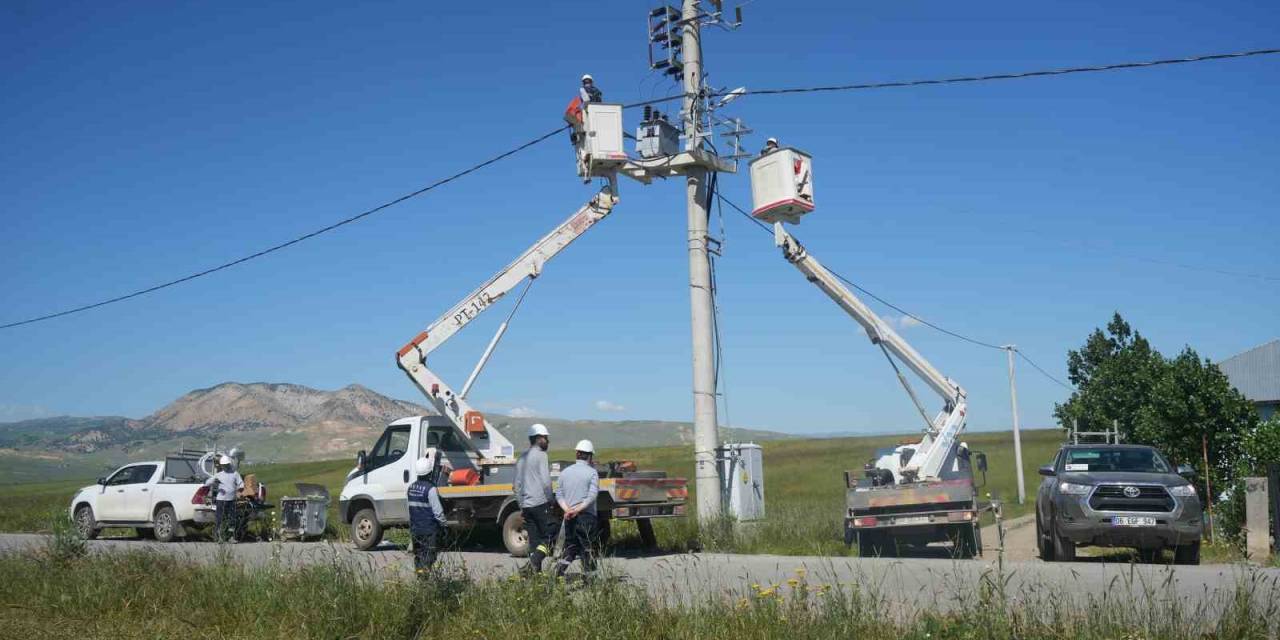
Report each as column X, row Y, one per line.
column 804, row 492
column 140, row 595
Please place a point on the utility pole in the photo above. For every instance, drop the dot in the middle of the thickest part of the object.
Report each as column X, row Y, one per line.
column 1017, row 433
column 706, row 475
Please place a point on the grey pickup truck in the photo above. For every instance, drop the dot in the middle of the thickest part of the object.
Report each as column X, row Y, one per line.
column 1117, row 495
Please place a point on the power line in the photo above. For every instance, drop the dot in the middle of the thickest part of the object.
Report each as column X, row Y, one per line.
column 1011, row 76
column 1042, row 371
column 283, row 245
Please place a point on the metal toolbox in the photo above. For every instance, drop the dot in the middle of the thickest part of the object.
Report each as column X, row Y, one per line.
column 305, row 515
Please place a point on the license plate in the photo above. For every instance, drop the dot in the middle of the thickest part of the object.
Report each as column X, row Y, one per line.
column 1133, row 521
column 912, row 520
column 648, row 511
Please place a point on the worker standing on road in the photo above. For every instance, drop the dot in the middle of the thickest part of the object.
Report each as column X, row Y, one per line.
column 225, row 484
column 532, row 488
column 426, row 513
column 579, row 485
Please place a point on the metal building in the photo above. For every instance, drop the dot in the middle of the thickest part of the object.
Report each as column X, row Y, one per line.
column 1256, row 374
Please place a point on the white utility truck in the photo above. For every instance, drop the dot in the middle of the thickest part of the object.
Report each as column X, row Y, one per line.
column 479, row 491
column 159, row 498
column 922, row 490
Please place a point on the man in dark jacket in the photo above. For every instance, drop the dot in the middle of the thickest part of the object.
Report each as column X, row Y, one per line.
column 426, row 513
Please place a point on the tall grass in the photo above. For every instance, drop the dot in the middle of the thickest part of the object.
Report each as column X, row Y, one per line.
column 155, row 596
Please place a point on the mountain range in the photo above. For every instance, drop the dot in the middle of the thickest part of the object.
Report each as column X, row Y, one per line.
column 279, row 422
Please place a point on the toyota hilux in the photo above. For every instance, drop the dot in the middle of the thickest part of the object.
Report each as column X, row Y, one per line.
column 1117, row 495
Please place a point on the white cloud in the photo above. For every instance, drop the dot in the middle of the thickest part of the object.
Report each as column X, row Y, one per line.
column 900, row 323
column 605, row 405
column 522, row 412
column 908, row 321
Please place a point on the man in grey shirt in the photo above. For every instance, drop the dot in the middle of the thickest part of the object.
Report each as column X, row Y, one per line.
column 579, row 486
column 532, row 488
column 226, row 483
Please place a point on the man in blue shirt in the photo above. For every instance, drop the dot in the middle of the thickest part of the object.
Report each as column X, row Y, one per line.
column 426, row 514
column 579, row 486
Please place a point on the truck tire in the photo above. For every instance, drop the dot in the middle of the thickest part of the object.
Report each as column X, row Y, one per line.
column 604, row 532
column 1043, row 544
column 1064, row 550
column 166, row 525
column 875, row 544
column 85, row 522
column 514, row 536
column 366, row 531
column 850, row 537
column 964, row 541
column 647, row 537
column 1187, row 553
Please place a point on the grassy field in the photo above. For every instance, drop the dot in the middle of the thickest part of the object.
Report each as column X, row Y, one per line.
column 804, row 492
column 140, row 595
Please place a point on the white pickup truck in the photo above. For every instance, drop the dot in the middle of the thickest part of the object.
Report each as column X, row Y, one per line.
column 159, row 498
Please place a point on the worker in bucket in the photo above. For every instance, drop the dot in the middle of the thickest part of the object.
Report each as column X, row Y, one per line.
column 532, row 488
column 575, row 115
column 770, row 146
column 576, row 494
column 427, row 523
column 224, row 485
column 589, row 91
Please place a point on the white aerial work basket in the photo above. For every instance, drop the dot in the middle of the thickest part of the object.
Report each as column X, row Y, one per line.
column 602, row 126
column 782, row 186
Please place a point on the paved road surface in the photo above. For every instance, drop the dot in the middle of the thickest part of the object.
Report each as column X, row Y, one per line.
column 903, row 585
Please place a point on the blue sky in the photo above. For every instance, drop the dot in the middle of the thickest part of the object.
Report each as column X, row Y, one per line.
column 144, row 141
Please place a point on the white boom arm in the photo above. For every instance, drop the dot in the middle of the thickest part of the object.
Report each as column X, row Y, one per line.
column 931, row 452
column 412, row 358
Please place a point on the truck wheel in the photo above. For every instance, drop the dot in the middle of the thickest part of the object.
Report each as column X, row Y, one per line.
column 647, row 537
column 166, row 525
column 605, row 532
column 1064, row 550
column 1043, row 544
column 366, row 531
column 850, row 537
column 875, row 545
column 1187, row 553
column 964, row 541
column 85, row 522
column 514, row 536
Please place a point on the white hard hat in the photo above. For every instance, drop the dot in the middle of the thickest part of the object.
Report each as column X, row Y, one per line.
column 585, row 446
column 224, row 460
column 587, row 76
column 538, row 429
column 771, row 141
column 422, row 466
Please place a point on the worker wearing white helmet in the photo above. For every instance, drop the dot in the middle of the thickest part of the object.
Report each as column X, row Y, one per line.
column 579, row 486
column 770, row 146
column 532, row 488
column 589, row 92
column 224, row 485
column 427, row 522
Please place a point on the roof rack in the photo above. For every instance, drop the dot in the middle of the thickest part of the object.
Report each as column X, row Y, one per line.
column 1110, row 436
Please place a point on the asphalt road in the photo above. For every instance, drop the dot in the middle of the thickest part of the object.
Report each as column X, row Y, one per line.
column 900, row 585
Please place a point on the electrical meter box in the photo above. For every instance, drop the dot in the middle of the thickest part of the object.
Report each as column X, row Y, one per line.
column 306, row 515
column 602, row 126
column 742, row 480
column 782, row 186
column 657, row 138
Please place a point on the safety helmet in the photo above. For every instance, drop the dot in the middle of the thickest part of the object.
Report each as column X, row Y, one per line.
column 586, row 77
column 224, row 460
column 538, row 429
column 772, row 141
column 422, row 466
column 585, row 446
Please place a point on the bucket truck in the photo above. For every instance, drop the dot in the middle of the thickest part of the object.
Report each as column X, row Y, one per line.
column 479, row 489
column 920, row 491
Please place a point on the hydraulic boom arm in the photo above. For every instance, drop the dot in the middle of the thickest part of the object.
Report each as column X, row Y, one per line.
column 412, row 358
column 927, row 460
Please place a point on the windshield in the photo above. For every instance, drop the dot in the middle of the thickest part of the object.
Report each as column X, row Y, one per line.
column 1103, row 459
column 181, row 470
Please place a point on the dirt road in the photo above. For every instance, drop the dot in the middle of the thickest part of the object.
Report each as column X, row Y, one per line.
column 903, row 585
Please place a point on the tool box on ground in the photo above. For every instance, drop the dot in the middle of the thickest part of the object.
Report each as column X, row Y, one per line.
column 305, row 515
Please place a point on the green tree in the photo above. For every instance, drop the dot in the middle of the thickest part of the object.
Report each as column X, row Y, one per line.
column 1114, row 373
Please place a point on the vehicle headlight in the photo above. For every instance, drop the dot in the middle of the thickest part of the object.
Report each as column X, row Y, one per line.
column 1184, row 491
column 1073, row 489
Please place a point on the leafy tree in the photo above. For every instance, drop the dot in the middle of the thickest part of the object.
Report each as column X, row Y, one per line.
column 1114, row 374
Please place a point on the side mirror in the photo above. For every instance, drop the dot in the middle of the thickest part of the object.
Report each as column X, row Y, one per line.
column 1186, row 471
column 102, row 481
column 362, row 459
column 982, row 461
column 1047, row 470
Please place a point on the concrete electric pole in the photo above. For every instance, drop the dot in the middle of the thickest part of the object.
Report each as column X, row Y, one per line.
column 1017, row 433
column 705, row 439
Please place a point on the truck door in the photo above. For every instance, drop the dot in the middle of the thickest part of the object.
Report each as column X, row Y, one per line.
column 137, row 494
column 114, row 504
column 389, row 473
